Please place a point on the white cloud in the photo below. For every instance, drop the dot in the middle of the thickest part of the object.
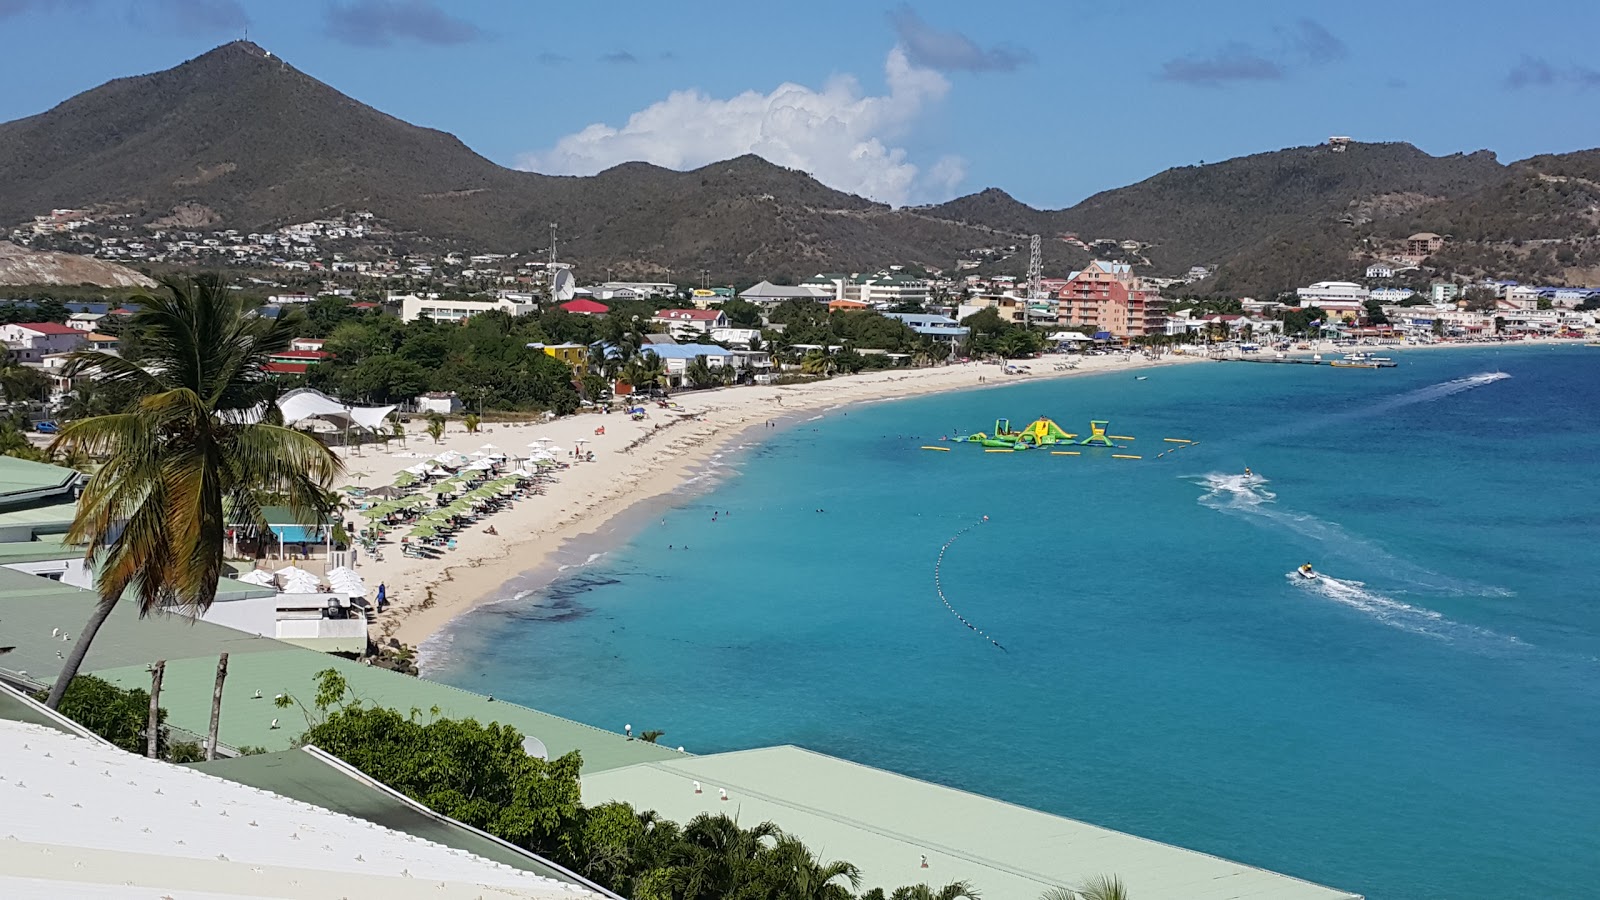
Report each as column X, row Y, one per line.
column 841, row 136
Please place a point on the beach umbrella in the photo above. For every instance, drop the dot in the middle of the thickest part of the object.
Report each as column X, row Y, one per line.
column 257, row 576
column 304, row 583
column 554, row 449
column 405, row 479
column 488, row 447
column 425, row 529
column 291, row 571
column 418, row 469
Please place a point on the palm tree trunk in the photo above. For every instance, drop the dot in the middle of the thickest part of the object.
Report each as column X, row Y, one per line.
column 216, row 708
column 69, row 669
column 153, row 729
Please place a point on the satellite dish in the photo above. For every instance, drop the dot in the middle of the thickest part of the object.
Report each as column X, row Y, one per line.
column 535, row 748
column 563, row 288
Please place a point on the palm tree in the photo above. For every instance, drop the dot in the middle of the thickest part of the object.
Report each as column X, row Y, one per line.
column 955, row 890
column 22, row 383
column 436, row 428
column 816, row 362
column 799, row 875
column 472, row 422
column 1100, row 887
column 699, row 373
column 186, row 448
column 398, row 432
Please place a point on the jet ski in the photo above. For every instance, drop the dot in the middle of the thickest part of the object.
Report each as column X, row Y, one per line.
column 1305, row 571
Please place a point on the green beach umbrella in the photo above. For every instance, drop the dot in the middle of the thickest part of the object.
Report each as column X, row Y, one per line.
column 405, row 479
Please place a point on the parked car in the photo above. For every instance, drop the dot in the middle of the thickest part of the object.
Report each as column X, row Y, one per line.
column 46, row 427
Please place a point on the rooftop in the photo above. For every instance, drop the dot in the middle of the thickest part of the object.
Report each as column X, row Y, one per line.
column 885, row 823
column 311, row 776
column 88, row 819
column 48, row 328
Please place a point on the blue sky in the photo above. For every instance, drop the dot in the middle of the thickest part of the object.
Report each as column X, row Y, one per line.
column 907, row 103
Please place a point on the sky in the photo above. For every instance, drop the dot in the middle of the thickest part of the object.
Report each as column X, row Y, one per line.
column 905, row 103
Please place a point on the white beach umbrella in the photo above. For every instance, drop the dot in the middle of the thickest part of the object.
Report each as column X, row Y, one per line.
column 291, row 571
column 488, row 447
column 257, row 576
column 418, row 469
column 302, row 584
column 342, row 572
column 554, row 449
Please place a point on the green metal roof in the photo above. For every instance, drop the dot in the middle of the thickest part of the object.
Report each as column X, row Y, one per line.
column 186, row 694
column 304, row 776
column 23, row 476
column 31, row 606
column 37, row 551
column 885, row 823
column 48, row 518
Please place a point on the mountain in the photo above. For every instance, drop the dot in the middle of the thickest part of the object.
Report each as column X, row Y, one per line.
column 21, row 266
column 1208, row 214
column 238, row 138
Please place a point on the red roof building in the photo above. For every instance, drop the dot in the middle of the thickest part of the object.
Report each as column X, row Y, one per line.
column 584, row 307
column 285, row 368
column 47, row 328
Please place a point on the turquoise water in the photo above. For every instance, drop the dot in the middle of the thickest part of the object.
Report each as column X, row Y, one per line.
column 1424, row 723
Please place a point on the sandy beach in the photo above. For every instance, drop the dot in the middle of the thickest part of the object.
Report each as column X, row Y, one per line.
column 633, row 462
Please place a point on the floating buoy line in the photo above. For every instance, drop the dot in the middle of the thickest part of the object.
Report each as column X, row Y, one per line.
column 938, row 585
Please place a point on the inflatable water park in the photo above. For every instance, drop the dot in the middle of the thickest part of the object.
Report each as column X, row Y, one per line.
column 1044, row 434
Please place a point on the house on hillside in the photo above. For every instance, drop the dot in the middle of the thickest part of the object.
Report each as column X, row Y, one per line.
column 1380, row 270
column 1423, row 243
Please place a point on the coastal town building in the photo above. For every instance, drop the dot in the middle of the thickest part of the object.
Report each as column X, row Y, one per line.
column 1380, row 270
column 438, row 309
column 573, row 356
column 935, row 327
column 1324, row 292
column 585, row 307
column 29, row 342
column 1110, row 297
column 445, row 403
column 765, row 293
column 681, row 322
column 1443, row 291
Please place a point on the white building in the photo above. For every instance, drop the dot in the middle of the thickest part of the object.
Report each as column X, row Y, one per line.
column 29, row 342
column 1391, row 294
column 1443, row 291
column 736, row 337
column 1323, row 291
column 1380, row 270
column 413, row 307
column 445, row 403
column 682, row 322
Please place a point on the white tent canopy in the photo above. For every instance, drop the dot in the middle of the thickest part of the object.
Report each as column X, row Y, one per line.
column 302, row 404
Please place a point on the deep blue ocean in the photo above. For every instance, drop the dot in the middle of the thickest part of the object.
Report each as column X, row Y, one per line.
column 1424, row 722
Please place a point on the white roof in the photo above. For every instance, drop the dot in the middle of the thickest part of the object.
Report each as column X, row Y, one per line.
column 88, row 820
column 304, row 403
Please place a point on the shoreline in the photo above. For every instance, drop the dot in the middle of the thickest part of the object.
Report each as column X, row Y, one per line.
column 659, row 460
column 429, row 595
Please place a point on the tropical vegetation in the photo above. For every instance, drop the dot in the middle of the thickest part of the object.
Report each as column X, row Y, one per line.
column 192, row 450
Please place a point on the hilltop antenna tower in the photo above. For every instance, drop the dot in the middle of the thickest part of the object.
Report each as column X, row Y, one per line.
column 550, row 267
